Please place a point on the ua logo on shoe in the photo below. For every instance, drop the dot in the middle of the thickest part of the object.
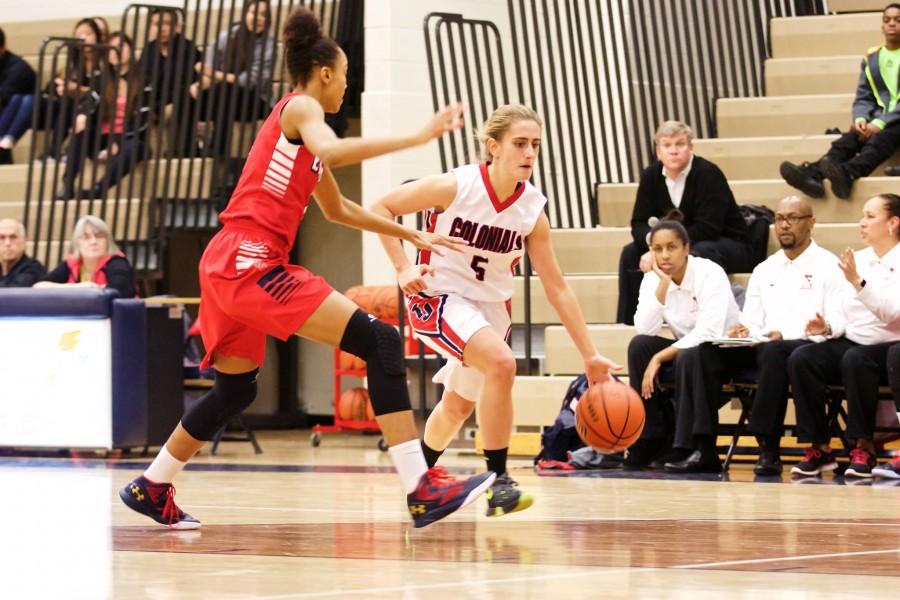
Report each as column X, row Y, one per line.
column 136, row 492
column 417, row 509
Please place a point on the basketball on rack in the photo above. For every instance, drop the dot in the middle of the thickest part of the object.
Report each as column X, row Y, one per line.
column 353, row 403
column 609, row 416
column 381, row 301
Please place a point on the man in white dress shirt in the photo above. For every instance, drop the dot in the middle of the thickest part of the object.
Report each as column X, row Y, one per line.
column 785, row 291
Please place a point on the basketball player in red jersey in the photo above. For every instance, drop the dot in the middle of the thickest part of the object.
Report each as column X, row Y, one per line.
column 462, row 308
column 249, row 291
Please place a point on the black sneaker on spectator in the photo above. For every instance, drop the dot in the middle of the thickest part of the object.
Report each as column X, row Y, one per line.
column 841, row 182
column 806, row 178
column 892, row 171
column 815, row 461
column 861, row 463
column 769, row 463
column 889, row 470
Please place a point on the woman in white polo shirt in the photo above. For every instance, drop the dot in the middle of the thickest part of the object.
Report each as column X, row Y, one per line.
column 858, row 359
column 692, row 296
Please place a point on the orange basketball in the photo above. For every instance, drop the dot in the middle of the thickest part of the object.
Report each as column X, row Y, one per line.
column 352, row 406
column 351, row 361
column 609, row 416
column 384, row 302
column 370, row 412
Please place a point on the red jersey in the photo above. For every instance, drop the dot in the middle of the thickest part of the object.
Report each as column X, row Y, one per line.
column 275, row 185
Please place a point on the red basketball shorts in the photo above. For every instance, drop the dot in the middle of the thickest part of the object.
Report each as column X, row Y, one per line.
column 249, row 291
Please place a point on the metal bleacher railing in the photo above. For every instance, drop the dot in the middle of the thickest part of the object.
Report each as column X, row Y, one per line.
column 602, row 74
column 193, row 147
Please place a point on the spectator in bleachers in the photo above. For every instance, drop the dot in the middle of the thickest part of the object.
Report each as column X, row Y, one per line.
column 858, row 359
column 875, row 133
column 69, row 94
column 167, row 64
column 699, row 191
column 692, row 296
column 891, row 470
column 16, row 99
column 121, row 113
column 788, row 289
column 17, row 269
column 236, row 80
column 94, row 260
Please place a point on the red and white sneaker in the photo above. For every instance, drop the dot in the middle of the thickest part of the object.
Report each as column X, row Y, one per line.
column 157, row 501
column 439, row 495
column 889, row 470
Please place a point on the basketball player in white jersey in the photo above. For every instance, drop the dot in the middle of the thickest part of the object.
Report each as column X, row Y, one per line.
column 459, row 305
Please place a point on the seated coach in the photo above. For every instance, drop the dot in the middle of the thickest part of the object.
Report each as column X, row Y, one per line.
column 794, row 285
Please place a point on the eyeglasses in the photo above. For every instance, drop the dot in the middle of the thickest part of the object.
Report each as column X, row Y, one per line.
column 791, row 219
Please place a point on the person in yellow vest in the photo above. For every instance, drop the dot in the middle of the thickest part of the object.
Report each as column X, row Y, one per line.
column 875, row 133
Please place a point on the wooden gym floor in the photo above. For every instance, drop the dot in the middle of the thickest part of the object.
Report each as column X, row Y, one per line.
column 330, row 522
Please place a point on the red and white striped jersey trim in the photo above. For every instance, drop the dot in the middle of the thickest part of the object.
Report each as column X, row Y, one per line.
column 281, row 166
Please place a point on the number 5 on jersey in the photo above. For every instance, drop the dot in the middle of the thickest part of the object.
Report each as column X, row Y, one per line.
column 476, row 266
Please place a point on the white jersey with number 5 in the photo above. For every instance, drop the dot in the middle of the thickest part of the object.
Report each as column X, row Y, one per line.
column 496, row 230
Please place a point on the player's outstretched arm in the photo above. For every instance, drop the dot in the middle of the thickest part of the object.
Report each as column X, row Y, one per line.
column 563, row 300
column 339, row 209
column 304, row 118
column 435, row 192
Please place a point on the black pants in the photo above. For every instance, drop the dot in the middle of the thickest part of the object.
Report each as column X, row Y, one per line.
column 87, row 143
column 734, row 256
column 893, row 373
column 707, row 367
column 860, row 368
column 659, row 419
column 861, row 158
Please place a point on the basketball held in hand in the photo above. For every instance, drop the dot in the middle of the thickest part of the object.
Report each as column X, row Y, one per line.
column 609, row 416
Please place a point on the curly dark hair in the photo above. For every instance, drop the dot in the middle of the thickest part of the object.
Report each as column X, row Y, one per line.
column 305, row 46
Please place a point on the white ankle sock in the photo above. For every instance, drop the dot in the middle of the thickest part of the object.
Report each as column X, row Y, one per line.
column 410, row 463
column 164, row 467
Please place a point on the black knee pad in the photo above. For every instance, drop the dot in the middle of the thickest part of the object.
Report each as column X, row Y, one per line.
column 380, row 346
column 230, row 395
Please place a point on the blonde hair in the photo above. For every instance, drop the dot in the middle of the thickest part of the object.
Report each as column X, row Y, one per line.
column 98, row 225
column 500, row 121
column 673, row 128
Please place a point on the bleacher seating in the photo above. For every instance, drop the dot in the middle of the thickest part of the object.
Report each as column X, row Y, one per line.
column 810, row 81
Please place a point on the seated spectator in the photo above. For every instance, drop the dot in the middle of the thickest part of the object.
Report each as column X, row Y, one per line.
column 94, row 261
column 16, row 268
column 699, row 191
column 788, row 289
column 121, row 113
column 858, row 359
column 69, row 94
column 236, row 81
column 16, row 99
column 693, row 297
column 167, row 66
column 875, row 133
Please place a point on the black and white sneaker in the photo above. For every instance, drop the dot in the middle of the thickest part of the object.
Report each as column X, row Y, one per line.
column 861, row 463
column 815, row 461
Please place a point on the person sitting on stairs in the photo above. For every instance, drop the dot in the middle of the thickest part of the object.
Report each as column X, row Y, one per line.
column 875, row 133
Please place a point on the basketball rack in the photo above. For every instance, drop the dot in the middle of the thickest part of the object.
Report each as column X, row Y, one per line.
column 341, row 424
